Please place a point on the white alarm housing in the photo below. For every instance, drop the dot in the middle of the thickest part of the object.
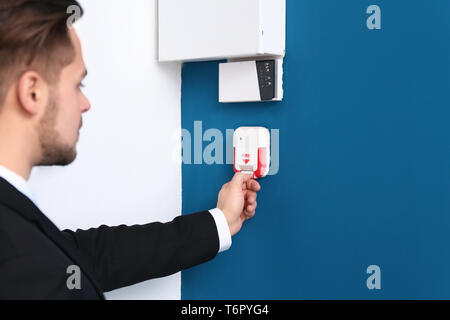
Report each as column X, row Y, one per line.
column 251, row 81
column 252, row 151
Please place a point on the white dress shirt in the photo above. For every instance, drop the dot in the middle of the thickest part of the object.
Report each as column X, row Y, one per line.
column 23, row 186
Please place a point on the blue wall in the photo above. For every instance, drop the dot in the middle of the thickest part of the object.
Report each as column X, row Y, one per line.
column 364, row 159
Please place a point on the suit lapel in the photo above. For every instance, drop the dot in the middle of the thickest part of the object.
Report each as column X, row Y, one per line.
column 15, row 200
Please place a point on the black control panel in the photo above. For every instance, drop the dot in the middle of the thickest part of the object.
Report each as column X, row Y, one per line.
column 266, row 78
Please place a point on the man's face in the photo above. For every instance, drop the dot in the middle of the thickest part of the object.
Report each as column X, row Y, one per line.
column 58, row 129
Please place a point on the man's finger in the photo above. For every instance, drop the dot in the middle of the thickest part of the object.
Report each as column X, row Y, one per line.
column 241, row 178
column 251, row 197
column 253, row 185
column 250, row 208
column 245, row 215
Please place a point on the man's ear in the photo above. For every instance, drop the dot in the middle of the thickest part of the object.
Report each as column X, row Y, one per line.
column 32, row 92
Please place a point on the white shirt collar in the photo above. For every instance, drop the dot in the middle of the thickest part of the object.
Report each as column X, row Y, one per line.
column 17, row 182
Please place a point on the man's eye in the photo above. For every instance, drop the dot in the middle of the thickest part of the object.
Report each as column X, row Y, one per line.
column 81, row 85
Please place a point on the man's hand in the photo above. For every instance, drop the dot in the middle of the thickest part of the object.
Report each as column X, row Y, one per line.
column 237, row 200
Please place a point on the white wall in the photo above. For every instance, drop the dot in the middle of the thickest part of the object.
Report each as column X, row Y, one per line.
column 122, row 174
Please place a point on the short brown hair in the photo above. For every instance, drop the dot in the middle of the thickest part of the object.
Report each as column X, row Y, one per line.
column 34, row 36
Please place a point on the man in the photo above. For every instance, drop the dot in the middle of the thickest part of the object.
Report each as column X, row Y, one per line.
column 41, row 107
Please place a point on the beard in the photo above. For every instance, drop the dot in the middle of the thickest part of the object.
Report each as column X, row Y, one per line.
column 54, row 151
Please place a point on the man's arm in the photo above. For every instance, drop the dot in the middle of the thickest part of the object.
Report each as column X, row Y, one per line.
column 122, row 256
column 125, row 255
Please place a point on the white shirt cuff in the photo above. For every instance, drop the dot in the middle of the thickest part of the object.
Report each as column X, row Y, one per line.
column 222, row 229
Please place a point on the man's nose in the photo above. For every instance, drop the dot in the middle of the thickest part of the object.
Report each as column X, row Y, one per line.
column 85, row 105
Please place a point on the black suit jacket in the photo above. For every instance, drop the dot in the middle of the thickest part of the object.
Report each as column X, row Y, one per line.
column 35, row 255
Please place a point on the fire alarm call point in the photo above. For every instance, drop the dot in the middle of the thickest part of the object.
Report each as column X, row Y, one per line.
column 252, row 151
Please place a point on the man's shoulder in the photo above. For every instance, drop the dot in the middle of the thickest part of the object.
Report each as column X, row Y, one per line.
column 32, row 266
column 20, row 236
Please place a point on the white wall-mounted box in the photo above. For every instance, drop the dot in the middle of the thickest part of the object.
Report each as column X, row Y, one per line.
column 199, row 30
column 251, row 81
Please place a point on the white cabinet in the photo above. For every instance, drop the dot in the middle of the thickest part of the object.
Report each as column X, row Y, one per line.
column 197, row 30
